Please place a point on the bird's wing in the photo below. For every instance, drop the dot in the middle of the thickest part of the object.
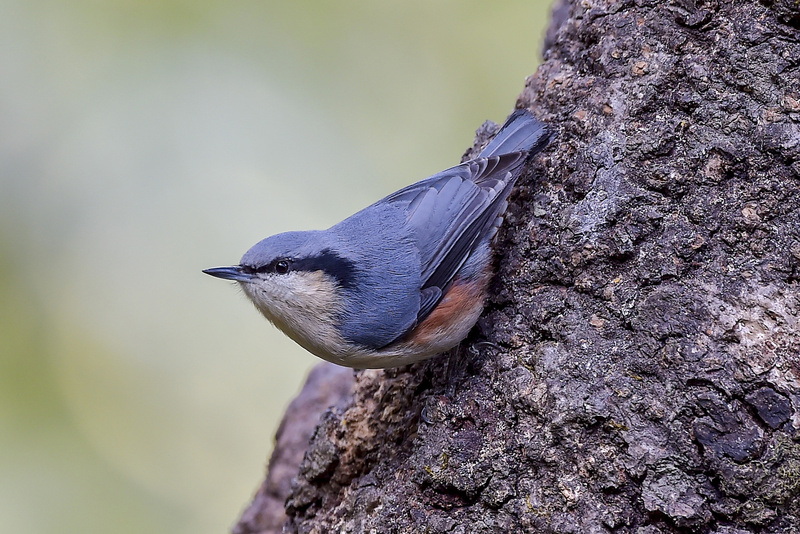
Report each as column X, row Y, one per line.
column 449, row 212
column 429, row 298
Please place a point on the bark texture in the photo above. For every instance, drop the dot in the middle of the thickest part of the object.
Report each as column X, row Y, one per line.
column 327, row 386
column 638, row 368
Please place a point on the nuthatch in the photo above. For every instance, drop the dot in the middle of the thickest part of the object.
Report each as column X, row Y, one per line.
column 401, row 280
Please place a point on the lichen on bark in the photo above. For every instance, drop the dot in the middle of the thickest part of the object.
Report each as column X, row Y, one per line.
column 638, row 365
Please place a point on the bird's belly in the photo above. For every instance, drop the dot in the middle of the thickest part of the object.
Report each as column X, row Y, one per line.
column 446, row 326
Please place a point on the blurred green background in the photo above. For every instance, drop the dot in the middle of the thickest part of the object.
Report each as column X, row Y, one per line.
column 142, row 141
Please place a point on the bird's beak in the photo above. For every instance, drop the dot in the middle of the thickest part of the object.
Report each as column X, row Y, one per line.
column 230, row 273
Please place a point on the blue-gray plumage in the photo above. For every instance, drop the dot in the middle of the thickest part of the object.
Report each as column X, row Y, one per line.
column 401, row 280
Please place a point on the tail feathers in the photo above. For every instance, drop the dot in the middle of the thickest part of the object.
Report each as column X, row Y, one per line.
column 521, row 133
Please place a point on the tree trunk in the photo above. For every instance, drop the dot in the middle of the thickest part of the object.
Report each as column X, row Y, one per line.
column 638, row 368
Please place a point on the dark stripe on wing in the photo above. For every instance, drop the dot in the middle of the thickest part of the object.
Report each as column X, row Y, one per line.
column 430, row 297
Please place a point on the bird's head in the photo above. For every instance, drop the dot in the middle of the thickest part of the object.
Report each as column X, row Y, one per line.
column 296, row 280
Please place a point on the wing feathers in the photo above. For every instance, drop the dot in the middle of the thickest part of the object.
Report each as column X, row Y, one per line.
column 430, row 297
column 449, row 215
column 452, row 212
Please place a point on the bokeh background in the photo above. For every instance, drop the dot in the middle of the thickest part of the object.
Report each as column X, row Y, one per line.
column 142, row 141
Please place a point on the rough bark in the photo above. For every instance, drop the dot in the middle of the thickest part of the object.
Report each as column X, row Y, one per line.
column 638, row 368
column 327, row 386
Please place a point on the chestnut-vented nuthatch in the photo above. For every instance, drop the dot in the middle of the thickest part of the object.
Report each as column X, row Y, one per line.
column 401, row 280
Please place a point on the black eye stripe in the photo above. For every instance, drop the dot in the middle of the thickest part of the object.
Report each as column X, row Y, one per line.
column 280, row 266
column 327, row 261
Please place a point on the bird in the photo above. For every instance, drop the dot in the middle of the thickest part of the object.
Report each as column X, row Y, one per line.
column 405, row 278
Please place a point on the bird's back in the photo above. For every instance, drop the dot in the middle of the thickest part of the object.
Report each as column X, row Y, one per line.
column 413, row 242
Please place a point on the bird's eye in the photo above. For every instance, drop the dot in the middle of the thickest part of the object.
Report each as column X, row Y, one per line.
column 282, row 267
